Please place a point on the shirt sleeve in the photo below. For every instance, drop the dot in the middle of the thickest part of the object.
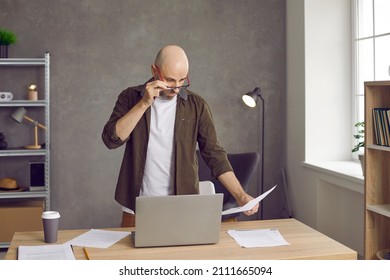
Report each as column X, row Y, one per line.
column 212, row 152
column 109, row 136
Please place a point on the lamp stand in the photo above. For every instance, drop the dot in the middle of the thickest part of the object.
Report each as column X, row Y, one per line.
column 35, row 146
column 262, row 158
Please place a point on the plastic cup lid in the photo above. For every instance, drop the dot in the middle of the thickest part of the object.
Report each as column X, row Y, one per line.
column 50, row 215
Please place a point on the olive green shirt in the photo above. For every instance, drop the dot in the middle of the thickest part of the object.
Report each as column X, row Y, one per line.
column 193, row 123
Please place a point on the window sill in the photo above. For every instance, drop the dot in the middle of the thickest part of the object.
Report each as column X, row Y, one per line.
column 347, row 174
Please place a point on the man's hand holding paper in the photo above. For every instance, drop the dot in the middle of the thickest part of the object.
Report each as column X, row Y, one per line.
column 249, row 205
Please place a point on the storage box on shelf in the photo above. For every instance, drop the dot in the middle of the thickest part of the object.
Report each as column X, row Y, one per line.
column 19, row 216
column 377, row 179
column 16, row 75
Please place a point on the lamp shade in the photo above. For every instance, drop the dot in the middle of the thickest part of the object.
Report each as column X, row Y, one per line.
column 250, row 98
column 19, row 114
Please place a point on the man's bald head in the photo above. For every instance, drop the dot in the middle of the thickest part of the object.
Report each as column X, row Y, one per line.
column 172, row 58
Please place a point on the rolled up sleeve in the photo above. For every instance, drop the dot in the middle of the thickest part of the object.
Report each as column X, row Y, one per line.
column 109, row 136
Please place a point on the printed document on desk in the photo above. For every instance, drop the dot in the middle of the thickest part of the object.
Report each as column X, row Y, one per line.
column 46, row 252
column 249, row 205
column 258, row 238
column 98, row 238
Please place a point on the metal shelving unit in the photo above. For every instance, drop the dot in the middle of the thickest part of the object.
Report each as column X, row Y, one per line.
column 18, row 152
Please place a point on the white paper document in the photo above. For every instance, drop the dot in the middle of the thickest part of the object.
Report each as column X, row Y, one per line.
column 46, row 252
column 98, row 238
column 258, row 238
column 249, row 205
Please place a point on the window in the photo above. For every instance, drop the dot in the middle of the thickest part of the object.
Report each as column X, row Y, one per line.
column 372, row 47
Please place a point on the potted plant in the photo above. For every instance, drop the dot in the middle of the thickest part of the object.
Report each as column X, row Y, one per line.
column 360, row 144
column 6, row 38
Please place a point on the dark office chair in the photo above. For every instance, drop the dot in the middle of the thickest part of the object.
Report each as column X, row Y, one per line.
column 244, row 166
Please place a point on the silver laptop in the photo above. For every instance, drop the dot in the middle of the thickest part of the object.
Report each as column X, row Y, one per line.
column 177, row 220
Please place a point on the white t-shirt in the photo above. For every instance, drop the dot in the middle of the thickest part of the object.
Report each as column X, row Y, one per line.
column 159, row 167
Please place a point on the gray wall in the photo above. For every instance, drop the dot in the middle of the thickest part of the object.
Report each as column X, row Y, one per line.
column 99, row 47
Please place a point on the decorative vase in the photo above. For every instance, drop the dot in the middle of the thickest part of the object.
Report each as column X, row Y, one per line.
column 361, row 158
column 4, row 51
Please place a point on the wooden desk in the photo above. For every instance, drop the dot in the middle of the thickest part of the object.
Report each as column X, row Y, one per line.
column 305, row 243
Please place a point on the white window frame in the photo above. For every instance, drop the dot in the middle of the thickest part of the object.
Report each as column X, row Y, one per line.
column 359, row 106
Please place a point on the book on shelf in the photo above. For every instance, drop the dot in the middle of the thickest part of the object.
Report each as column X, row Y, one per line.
column 37, row 189
column 381, row 125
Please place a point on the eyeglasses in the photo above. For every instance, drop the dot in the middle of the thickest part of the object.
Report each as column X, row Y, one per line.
column 184, row 86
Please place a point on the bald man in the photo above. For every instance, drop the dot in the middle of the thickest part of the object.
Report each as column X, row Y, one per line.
column 161, row 123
